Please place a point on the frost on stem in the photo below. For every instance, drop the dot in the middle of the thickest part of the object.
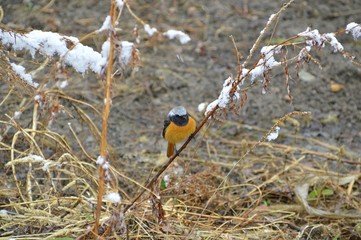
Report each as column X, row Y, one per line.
column 38, row 98
column 269, row 21
column 119, row 3
column 62, row 84
column 105, row 49
column 107, row 25
column 227, row 97
column 100, row 160
column 112, row 197
column 226, row 94
column 46, row 165
column 150, row 30
column 303, row 54
column 20, row 71
column 354, row 29
column 181, row 36
column 126, row 50
column 319, row 40
column 36, row 157
column 267, row 61
column 17, row 114
column 273, row 135
column 230, row 95
column 49, row 44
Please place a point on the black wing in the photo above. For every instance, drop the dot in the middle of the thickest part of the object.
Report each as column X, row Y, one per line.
column 166, row 124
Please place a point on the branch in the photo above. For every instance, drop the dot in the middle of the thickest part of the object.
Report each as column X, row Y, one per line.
column 106, row 110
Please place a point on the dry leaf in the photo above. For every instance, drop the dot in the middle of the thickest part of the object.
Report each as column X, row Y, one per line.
column 335, row 87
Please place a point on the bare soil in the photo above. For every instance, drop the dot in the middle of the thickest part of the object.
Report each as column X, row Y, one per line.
column 171, row 74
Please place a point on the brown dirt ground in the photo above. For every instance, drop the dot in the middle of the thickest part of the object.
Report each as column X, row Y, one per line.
column 163, row 81
column 171, row 74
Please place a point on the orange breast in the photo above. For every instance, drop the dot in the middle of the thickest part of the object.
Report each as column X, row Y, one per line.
column 175, row 134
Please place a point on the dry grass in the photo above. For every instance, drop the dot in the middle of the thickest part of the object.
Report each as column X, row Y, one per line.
column 224, row 188
column 211, row 198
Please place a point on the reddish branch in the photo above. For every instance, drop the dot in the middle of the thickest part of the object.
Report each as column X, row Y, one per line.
column 106, row 111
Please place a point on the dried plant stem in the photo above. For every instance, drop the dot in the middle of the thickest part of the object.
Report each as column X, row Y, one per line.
column 260, row 37
column 106, row 111
column 7, row 96
column 263, row 139
column 28, row 176
column 133, row 14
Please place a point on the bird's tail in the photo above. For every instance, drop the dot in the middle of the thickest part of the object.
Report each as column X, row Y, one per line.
column 170, row 149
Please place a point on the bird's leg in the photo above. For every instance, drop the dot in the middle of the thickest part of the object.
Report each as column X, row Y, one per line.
column 176, row 150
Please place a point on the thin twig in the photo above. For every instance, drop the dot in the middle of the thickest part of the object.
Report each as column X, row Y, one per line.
column 260, row 37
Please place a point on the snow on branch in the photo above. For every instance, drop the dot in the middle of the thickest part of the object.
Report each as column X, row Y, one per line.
column 181, row 36
column 20, row 71
column 107, row 25
column 266, row 62
column 112, row 197
column 119, row 3
column 319, row 40
column 150, row 30
column 49, row 44
column 226, row 97
column 354, row 29
column 126, row 50
column 68, row 49
column 226, row 93
column 273, row 135
column 268, row 23
column 231, row 88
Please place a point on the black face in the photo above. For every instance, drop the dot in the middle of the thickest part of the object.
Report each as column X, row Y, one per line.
column 179, row 120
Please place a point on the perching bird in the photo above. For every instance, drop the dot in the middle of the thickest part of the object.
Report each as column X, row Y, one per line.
column 177, row 128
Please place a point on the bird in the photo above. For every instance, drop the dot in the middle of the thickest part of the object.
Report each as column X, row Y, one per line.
column 178, row 126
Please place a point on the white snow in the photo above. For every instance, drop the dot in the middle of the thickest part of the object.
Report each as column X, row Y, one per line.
column 62, row 84
column 224, row 98
column 105, row 49
column 38, row 97
column 17, row 114
column 46, row 166
column 20, row 70
column 273, row 135
column 336, row 45
column 150, row 30
column 120, row 3
column 3, row 212
column 202, row 106
column 181, row 36
column 107, row 25
column 36, row 157
column 354, row 29
column 269, row 21
column 100, row 160
column 105, row 166
column 83, row 57
column 211, row 106
column 267, row 62
column 112, row 197
column 49, row 44
column 318, row 40
column 314, row 35
column 126, row 52
column 303, row 53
